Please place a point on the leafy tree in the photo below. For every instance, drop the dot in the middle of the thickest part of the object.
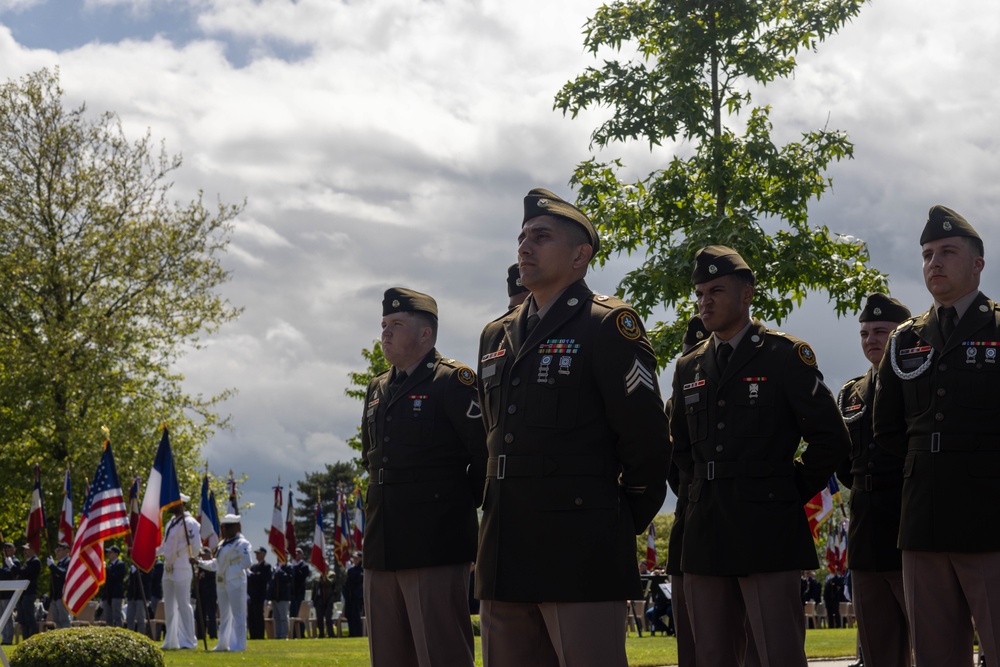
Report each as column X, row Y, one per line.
column 104, row 284
column 683, row 90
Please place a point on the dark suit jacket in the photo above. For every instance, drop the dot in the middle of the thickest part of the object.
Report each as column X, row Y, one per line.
column 425, row 451
column 936, row 404
column 575, row 411
column 114, row 583
column 735, row 434
column 875, row 477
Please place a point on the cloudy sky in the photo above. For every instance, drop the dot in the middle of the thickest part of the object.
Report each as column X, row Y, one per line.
column 389, row 142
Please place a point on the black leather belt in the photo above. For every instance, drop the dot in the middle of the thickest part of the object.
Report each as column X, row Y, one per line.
column 952, row 442
column 504, row 466
column 402, row 476
column 729, row 469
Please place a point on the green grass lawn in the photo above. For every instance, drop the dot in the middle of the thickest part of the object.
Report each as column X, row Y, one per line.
column 643, row 651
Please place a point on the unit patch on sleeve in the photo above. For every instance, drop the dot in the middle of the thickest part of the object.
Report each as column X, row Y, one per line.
column 628, row 326
column 638, row 376
column 806, row 354
column 466, row 376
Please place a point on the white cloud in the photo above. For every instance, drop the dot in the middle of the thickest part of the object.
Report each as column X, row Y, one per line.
column 396, row 151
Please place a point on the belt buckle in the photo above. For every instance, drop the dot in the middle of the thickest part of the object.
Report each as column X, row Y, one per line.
column 711, row 470
column 935, row 442
column 501, row 466
column 381, row 477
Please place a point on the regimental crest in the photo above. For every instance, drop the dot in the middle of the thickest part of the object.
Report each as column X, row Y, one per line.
column 639, row 376
column 946, row 225
column 628, row 325
column 713, row 269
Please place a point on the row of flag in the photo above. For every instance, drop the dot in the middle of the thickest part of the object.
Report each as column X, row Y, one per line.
column 106, row 516
column 349, row 529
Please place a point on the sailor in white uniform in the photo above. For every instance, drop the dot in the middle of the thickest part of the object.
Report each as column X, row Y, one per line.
column 232, row 559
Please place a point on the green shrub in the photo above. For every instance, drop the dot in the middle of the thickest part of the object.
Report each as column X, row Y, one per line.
column 87, row 647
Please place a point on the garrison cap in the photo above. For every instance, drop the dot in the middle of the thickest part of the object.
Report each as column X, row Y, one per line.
column 542, row 202
column 715, row 261
column 882, row 308
column 402, row 300
column 696, row 332
column 514, row 285
column 260, row 550
column 115, row 549
column 942, row 222
column 62, row 545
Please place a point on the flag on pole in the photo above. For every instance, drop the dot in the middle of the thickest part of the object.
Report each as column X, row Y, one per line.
column 836, row 548
column 290, row 543
column 342, row 545
column 133, row 510
column 36, row 515
column 820, row 508
column 209, row 516
column 234, row 503
column 66, row 520
column 318, row 555
column 162, row 492
column 651, row 548
column 359, row 521
column 276, row 538
column 104, row 517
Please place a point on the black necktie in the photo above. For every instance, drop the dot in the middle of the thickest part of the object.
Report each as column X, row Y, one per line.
column 531, row 323
column 947, row 319
column 397, row 382
column 723, row 353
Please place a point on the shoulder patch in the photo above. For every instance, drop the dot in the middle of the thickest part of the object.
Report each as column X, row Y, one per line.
column 466, row 376
column 806, row 354
column 628, row 325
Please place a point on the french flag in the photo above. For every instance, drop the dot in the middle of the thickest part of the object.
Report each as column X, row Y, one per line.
column 276, row 538
column 36, row 517
column 162, row 492
column 318, row 555
column 66, row 515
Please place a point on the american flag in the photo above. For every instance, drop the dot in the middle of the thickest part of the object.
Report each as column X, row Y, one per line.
column 104, row 517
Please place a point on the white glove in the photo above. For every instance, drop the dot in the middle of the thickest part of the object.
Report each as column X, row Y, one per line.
column 50, row 561
column 8, row 561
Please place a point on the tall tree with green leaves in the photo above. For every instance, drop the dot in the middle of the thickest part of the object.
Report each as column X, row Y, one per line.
column 336, row 477
column 105, row 282
column 678, row 75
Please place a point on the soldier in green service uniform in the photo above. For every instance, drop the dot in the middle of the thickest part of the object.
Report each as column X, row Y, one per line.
column 578, row 455
column 875, row 478
column 742, row 401
column 936, row 404
column 424, row 448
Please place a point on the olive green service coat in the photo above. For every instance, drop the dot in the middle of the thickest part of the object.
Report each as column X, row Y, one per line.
column 425, row 452
column 875, row 477
column 936, row 404
column 578, row 452
column 735, row 435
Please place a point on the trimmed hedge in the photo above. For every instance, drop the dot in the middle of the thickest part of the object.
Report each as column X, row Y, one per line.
column 87, row 647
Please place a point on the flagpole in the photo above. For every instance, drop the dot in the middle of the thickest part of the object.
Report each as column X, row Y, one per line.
column 197, row 588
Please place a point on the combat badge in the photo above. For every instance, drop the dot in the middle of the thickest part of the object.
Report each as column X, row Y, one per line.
column 806, row 354
column 628, row 326
column 466, row 376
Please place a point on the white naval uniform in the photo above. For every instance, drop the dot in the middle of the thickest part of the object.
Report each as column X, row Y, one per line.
column 232, row 558
column 177, row 575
